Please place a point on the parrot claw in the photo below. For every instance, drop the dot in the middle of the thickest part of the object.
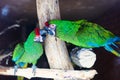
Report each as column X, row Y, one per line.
column 15, row 69
column 34, row 69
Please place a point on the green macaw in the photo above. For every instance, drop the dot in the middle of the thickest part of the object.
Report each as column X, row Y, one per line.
column 84, row 34
column 28, row 52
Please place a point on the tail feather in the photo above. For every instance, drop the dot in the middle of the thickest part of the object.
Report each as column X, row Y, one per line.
column 20, row 77
column 113, row 49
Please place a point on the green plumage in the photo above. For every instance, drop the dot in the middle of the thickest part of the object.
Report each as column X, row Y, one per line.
column 85, row 34
column 18, row 52
column 81, row 33
column 27, row 52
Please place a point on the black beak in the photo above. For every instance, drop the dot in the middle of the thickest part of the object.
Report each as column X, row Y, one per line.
column 49, row 31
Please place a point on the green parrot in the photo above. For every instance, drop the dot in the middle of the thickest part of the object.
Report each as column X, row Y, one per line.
column 28, row 52
column 84, row 34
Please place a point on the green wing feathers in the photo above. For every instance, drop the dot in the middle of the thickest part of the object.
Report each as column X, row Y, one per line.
column 18, row 51
column 93, row 35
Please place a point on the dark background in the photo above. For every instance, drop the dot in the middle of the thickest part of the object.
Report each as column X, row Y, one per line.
column 23, row 12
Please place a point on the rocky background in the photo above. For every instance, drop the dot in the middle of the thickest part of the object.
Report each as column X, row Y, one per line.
column 23, row 15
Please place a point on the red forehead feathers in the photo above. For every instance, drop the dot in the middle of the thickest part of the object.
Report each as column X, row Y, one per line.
column 46, row 24
column 37, row 31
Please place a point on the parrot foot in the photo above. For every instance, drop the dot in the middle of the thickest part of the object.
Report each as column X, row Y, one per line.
column 34, row 69
column 15, row 69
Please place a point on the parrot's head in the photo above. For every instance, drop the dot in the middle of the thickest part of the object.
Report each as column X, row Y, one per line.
column 51, row 26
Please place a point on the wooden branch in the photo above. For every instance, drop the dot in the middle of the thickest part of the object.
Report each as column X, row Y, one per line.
column 9, row 27
column 50, row 73
column 55, row 49
column 5, row 55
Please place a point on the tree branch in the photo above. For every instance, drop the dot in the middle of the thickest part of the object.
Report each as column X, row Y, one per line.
column 55, row 49
column 50, row 73
column 9, row 27
column 5, row 55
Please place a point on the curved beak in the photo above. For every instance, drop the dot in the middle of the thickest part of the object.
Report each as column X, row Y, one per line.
column 50, row 30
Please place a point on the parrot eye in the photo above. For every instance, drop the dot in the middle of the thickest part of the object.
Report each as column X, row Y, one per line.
column 52, row 26
column 51, row 29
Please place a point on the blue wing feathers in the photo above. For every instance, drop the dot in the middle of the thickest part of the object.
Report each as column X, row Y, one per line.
column 113, row 46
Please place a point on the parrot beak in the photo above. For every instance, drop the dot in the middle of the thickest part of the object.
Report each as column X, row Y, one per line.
column 51, row 32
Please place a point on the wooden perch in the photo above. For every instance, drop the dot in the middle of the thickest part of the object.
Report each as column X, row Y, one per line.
column 5, row 55
column 55, row 49
column 50, row 73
